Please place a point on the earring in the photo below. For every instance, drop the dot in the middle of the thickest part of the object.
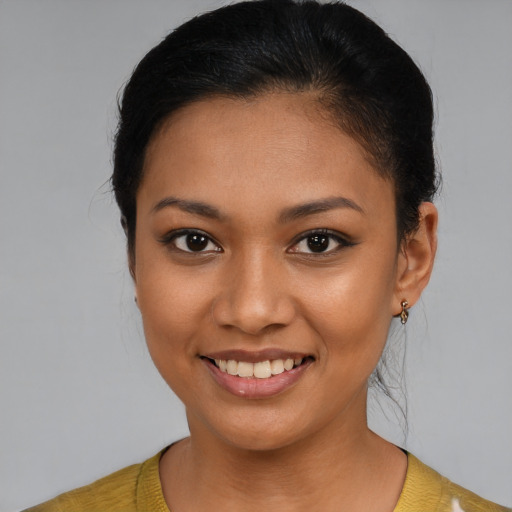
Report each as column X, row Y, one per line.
column 404, row 315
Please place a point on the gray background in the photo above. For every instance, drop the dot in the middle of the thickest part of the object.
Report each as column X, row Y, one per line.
column 79, row 397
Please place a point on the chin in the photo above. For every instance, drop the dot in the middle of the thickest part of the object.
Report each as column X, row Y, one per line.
column 263, row 442
column 257, row 432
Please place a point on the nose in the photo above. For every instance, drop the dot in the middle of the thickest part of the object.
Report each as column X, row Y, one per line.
column 254, row 296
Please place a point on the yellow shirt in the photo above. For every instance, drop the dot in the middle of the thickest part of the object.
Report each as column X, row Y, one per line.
column 137, row 489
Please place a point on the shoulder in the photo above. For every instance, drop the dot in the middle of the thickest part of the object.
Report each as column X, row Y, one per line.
column 121, row 491
column 426, row 490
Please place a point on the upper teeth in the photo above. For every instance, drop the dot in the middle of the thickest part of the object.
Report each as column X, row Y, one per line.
column 261, row 370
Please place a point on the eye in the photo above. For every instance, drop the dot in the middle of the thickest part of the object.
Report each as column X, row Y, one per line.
column 191, row 241
column 319, row 242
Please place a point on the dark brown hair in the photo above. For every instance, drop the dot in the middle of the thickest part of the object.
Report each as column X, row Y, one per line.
column 371, row 87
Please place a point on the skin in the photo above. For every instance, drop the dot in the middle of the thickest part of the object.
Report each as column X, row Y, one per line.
column 258, row 286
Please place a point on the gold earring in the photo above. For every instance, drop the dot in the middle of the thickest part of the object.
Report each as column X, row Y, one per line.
column 404, row 315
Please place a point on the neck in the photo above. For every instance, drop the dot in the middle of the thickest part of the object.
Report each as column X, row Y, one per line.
column 344, row 466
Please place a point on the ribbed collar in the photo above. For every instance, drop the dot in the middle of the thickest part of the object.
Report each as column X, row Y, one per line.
column 421, row 483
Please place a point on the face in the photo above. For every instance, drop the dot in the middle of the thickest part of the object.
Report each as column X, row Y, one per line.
column 265, row 268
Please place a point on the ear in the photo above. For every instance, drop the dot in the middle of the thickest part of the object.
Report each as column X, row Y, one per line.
column 130, row 252
column 416, row 259
column 131, row 263
column 130, row 249
column 131, row 268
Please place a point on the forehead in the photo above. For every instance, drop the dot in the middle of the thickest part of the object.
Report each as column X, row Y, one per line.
column 282, row 147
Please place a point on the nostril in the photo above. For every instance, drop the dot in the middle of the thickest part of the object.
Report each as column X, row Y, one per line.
column 254, row 317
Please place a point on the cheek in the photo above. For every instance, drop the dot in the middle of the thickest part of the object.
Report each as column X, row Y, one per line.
column 351, row 308
column 174, row 306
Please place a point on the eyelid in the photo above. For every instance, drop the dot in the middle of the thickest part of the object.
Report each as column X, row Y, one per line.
column 340, row 238
column 171, row 236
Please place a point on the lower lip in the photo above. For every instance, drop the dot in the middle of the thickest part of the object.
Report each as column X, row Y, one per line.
column 252, row 387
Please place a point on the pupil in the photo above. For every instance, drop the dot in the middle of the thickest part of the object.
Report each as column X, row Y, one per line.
column 318, row 243
column 196, row 242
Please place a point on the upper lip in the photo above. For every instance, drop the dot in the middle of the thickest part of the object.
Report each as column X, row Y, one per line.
column 250, row 356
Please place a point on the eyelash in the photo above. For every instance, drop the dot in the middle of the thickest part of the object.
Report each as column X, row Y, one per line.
column 170, row 240
column 341, row 241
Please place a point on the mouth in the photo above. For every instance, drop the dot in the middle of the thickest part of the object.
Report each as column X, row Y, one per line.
column 259, row 370
column 260, row 375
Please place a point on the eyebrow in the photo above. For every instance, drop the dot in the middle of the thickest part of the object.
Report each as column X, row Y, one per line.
column 287, row 215
column 194, row 207
column 322, row 205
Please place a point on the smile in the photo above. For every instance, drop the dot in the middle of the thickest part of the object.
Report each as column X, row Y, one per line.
column 259, row 370
column 265, row 376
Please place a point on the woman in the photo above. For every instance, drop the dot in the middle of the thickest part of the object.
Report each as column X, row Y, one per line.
column 274, row 170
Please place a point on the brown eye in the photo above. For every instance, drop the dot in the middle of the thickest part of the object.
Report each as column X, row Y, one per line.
column 321, row 242
column 191, row 242
column 318, row 243
column 196, row 242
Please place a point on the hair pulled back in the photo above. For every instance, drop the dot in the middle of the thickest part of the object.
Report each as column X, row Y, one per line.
column 362, row 78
